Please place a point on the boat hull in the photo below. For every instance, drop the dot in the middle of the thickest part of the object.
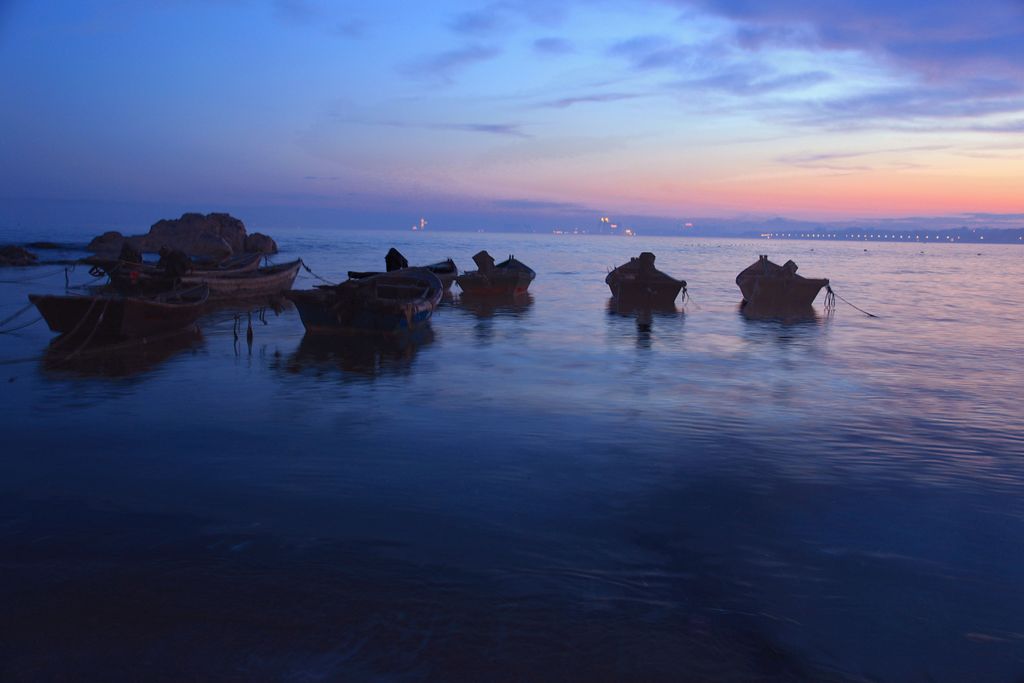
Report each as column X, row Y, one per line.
column 770, row 293
column 390, row 303
column 628, row 287
column 446, row 272
column 639, row 282
column 262, row 282
column 507, row 278
column 120, row 317
column 768, row 287
column 130, row 272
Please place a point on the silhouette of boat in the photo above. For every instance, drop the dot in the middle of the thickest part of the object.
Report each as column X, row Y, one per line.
column 398, row 301
column 120, row 359
column 244, row 284
column 446, row 271
column 638, row 281
column 111, row 315
column 508, row 277
column 357, row 356
column 768, row 287
column 262, row 282
column 117, row 268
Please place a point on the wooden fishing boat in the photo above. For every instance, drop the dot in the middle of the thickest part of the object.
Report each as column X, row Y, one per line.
column 508, row 277
column 263, row 282
column 399, row 301
column 446, row 271
column 115, row 316
column 769, row 287
column 638, row 281
column 130, row 271
column 119, row 358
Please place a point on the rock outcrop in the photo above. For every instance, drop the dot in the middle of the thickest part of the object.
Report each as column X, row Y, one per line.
column 109, row 242
column 194, row 234
column 260, row 243
column 16, row 256
column 212, row 236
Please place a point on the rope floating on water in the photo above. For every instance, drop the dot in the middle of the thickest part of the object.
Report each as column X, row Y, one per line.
column 12, row 317
column 33, row 279
column 21, row 327
column 831, row 296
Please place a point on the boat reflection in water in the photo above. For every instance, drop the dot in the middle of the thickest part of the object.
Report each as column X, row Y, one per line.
column 489, row 310
column 358, row 356
column 130, row 358
column 644, row 315
column 798, row 330
column 495, row 306
column 782, row 314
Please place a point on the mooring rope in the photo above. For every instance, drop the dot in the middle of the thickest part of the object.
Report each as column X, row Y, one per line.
column 77, row 327
column 308, row 270
column 99, row 324
column 32, row 279
column 688, row 297
column 830, row 302
column 21, row 327
column 12, row 317
column 127, row 345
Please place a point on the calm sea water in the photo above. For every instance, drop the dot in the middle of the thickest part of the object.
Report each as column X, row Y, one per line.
column 544, row 490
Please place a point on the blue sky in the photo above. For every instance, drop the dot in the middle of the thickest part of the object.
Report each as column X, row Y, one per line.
column 517, row 111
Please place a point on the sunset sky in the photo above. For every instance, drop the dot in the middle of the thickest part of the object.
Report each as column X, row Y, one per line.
column 807, row 109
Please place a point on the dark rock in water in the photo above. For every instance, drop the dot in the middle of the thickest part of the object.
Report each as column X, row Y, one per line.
column 193, row 231
column 212, row 236
column 109, row 242
column 260, row 243
column 46, row 245
column 16, row 256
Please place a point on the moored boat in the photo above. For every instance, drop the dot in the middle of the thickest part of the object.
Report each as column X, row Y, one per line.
column 261, row 282
column 769, row 287
column 446, row 271
column 118, row 268
column 115, row 316
column 399, row 301
column 511, row 276
column 638, row 281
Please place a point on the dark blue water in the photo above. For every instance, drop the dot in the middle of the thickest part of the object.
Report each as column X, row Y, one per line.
column 541, row 490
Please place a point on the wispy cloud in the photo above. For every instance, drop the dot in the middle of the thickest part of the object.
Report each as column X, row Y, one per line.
column 538, row 205
column 746, row 82
column 943, row 38
column 553, row 46
column 443, row 65
column 907, row 105
column 350, row 28
column 480, row 21
column 650, row 52
column 565, row 102
column 843, row 161
column 297, row 11
column 509, row 129
column 514, row 130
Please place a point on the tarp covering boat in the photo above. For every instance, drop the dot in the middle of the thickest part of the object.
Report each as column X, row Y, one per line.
column 640, row 282
column 398, row 301
column 768, row 287
column 511, row 276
